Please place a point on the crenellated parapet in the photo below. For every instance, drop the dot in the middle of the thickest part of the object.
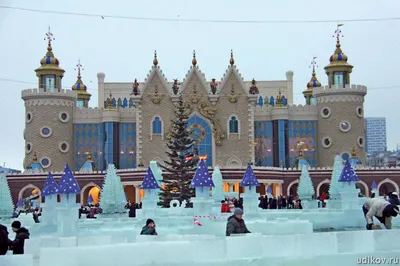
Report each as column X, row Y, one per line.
column 349, row 93
column 293, row 112
column 39, row 97
column 100, row 115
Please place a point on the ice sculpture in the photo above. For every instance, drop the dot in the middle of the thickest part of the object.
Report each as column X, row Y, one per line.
column 250, row 195
column 67, row 209
column 50, row 191
column 151, row 188
column 157, row 172
column 202, row 182
column 112, row 197
column 305, row 189
column 349, row 194
column 335, row 186
column 217, row 190
column 268, row 191
column 6, row 203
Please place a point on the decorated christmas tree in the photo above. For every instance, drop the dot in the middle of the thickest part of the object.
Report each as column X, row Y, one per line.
column 305, row 189
column 181, row 164
column 348, row 174
column 335, row 186
column 112, row 197
column 249, row 178
column 6, row 203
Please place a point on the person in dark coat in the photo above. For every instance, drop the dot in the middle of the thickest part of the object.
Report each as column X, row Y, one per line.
column 3, row 240
column 22, row 234
column 132, row 210
column 149, row 228
column 236, row 223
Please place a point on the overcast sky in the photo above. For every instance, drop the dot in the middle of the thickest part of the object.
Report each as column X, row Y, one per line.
column 123, row 48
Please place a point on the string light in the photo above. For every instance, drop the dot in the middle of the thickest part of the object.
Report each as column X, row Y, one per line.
column 159, row 19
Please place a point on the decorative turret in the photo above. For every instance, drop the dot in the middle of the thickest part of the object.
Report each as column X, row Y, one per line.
column 194, row 60
column 249, row 179
column 110, row 103
column 50, row 187
column 250, row 196
column 49, row 72
column 151, row 189
column 308, row 93
column 202, row 181
column 81, row 89
column 338, row 70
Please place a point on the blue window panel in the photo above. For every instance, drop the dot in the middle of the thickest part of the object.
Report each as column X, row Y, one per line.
column 157, row 126
column 127, row 140
column 263, row 143
column 125, row 103
column 233, row 125
column 303, row 131
column 260, row 101
column 282, row 155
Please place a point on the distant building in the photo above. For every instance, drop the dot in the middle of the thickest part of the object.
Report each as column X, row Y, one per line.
column 8, row 171
column 375, row 134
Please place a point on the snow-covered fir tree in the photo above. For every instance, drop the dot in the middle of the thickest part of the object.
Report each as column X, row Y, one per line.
column 112, row 197
column 305, row 189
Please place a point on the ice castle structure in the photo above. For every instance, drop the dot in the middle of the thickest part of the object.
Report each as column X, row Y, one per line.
column 335, row 186
column 305, row 189
column 151, row 188
column 49, row 208
column 250, row 195
column 217, row 190
column 157, row 172
column 202, row 183
column 349, row 193
column 67, row 218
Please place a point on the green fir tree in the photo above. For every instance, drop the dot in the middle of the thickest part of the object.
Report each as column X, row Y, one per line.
column 178, row 169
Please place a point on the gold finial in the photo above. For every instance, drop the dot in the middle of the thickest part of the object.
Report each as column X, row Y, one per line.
column 232, row 60
column 49, row 37
column 34, row 157
column 301, row 155
column 79, row 68
column 155, row 60
column 314, row 81
column 89, row 156
column 194, row 60
column 338, row 34
column 354, row 153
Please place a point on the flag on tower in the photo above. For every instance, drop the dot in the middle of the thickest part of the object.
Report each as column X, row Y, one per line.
column 68, row 184
column 348, row 174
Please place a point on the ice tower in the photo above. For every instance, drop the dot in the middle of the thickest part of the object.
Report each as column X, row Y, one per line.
column 335, row 186
column 112, row 196
column 202, row 182
column 157, row 172
column 374, row 188
column 305, row 189
column 50, row 191
column 6, row 203
column 349, row 194
column 151, row 189
column 250, row 195
column 67, row 210
column 217, row 190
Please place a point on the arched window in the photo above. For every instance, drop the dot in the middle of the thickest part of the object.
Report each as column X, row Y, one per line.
column 114, row 102
column 125, row 103
column 233, row 125
column 119, row 102
column 272, row 101
column 157, row 126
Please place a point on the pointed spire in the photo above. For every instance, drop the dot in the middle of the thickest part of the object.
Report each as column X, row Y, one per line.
column 313, row 81
column 194, row 60
column 338, row 56
column 49, row 58
column 50, row 186
column 79, row 86
column 155, row 60
column 232, row 60
column 249, row 178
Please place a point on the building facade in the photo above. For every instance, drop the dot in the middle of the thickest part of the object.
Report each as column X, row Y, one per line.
column 233, row 121
column 375, row 135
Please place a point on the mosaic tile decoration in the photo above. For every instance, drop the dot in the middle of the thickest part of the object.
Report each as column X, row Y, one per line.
column 303, row 131
column 127, row 143
column 263, row 143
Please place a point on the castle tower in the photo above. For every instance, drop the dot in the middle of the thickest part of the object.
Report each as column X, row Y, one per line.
column 81, row 89
column 313, row 83
column 340, row 111
column 49, row 73
column 49, row 127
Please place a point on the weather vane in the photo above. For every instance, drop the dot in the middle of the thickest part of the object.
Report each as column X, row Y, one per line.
column 79, row 67
column 338, row 32
column 49, row 36
column 313, row 63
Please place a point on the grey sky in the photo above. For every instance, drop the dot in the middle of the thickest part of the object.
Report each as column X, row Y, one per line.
column 123, row 49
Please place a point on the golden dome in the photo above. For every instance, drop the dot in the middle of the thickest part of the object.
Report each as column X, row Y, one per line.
column 49, row 61
column 194, row 60
column 232, row 60
column 313, row 83
column 155, row 60
column 79, row 87
column 338, row 57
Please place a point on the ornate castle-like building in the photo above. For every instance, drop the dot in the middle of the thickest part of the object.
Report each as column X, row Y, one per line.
column 234, row 121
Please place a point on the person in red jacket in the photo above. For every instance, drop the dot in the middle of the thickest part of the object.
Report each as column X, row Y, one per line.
column 224, row 206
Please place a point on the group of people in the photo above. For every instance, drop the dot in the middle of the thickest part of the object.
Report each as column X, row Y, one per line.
column 228, row 205
column 281, row 202
column 16, row 245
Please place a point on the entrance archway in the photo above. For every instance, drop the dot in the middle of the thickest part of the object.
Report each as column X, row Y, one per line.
column 31, row 195
column 292, row 188
column 202, row 132
column 386, row 186
column 91, row 189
